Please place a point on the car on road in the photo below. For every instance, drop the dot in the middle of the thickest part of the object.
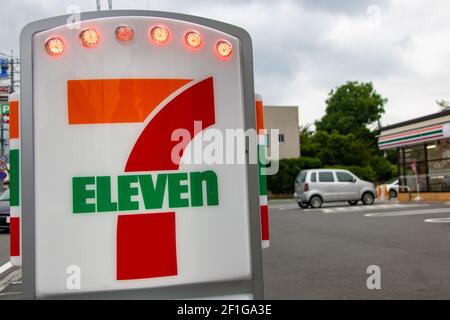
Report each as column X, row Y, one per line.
column 392, row 187
column 4, row 210
column 314, row 187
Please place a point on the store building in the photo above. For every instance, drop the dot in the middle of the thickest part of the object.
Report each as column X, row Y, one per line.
column 423, row 151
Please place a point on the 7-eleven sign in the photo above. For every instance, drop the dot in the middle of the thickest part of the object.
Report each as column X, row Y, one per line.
column 111, row 203
column 146, row 242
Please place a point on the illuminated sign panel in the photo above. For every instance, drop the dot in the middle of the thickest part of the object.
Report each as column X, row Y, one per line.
column 112, row 204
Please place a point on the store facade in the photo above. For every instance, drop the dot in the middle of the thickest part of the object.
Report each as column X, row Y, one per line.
column 423, row 152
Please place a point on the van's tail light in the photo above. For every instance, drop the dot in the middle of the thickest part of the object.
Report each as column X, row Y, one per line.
column 306, row 187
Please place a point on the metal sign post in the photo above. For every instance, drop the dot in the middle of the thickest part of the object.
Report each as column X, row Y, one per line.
column 106, row 211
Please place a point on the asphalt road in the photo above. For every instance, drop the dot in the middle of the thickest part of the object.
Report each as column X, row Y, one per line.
column 324, row 254
column 4, row 247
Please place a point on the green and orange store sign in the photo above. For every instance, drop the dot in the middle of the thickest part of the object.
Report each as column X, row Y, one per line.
column 411, row 137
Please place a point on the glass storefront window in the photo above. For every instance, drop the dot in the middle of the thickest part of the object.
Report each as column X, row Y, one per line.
column 438, row 150
column 439, row 166
column 415, row 154
column 432, row 162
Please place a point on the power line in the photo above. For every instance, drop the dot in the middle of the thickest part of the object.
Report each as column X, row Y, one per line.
column 9, row 56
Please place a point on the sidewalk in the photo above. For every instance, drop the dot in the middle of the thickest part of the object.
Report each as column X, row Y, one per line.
column 11, row 284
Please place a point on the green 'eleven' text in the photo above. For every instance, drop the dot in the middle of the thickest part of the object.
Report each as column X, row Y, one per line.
column 95, row 194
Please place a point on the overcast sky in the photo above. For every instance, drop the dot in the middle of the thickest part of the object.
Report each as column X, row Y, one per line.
column 304, row 48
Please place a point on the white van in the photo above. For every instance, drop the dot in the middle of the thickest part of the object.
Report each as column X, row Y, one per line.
column 314, row 187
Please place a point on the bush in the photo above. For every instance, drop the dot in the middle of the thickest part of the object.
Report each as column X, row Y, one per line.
column 283, row 181
column 365, row 173
column 384, row 169
column 379, row 170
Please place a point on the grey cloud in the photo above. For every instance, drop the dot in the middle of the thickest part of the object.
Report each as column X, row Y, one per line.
column 351, row 7
column 299, row 51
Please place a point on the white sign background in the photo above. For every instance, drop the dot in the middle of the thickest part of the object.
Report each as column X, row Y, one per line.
column 212, row 242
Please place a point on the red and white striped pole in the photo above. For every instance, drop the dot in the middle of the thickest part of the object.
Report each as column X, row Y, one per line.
column 262, row 145
column 14, row 179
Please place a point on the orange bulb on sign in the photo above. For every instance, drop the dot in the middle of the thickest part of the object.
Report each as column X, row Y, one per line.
column 54, row 46
column 224, row 48
column 193, row 39
column 159, row 35
column 124, row 33
column 89, row 38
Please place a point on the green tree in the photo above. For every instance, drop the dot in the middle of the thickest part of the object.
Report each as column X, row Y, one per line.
column 343, row 139
column 307, row 143
column 351, row 108
column 339, row 149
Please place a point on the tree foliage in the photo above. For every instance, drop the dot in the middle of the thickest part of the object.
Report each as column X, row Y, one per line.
column 351, row 108
column 343, row 139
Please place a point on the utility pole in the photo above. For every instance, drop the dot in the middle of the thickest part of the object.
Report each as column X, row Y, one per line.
column 99, row 6
column 12, row 62
column 12, row 74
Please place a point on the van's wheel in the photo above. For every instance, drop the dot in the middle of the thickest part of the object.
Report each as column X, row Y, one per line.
column 368, row 198
column 353, row 203
column 315, row 202
column 392, row 194
column 303, row 205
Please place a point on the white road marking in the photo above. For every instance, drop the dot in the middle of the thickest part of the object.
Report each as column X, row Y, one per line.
column 14, row 276
column 438, row 220
column 374, row 207
column 5, row 267
column 287, row 208
column 407, row 213
column 358, row 208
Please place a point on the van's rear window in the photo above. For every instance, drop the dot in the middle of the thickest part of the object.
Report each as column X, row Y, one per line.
column 301, row 177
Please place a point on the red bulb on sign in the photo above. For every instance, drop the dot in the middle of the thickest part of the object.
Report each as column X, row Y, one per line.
column 159, row 35
column 89, row 38
column 193, row 39
column 54, row 46
column 124, row 33
column 224, row 49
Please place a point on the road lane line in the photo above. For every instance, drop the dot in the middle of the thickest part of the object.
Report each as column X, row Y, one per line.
column 5, row 267
column 285, row 208
column 438, row 220
column 342, row 209
column 407, row 213
column 370, row 208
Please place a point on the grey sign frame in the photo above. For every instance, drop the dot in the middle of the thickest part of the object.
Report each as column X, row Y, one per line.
column 209, row 289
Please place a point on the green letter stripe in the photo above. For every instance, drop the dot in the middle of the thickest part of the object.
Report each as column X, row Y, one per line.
column 80, row 195
column 262, row 170
column 14, row 181
column 212, row 195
